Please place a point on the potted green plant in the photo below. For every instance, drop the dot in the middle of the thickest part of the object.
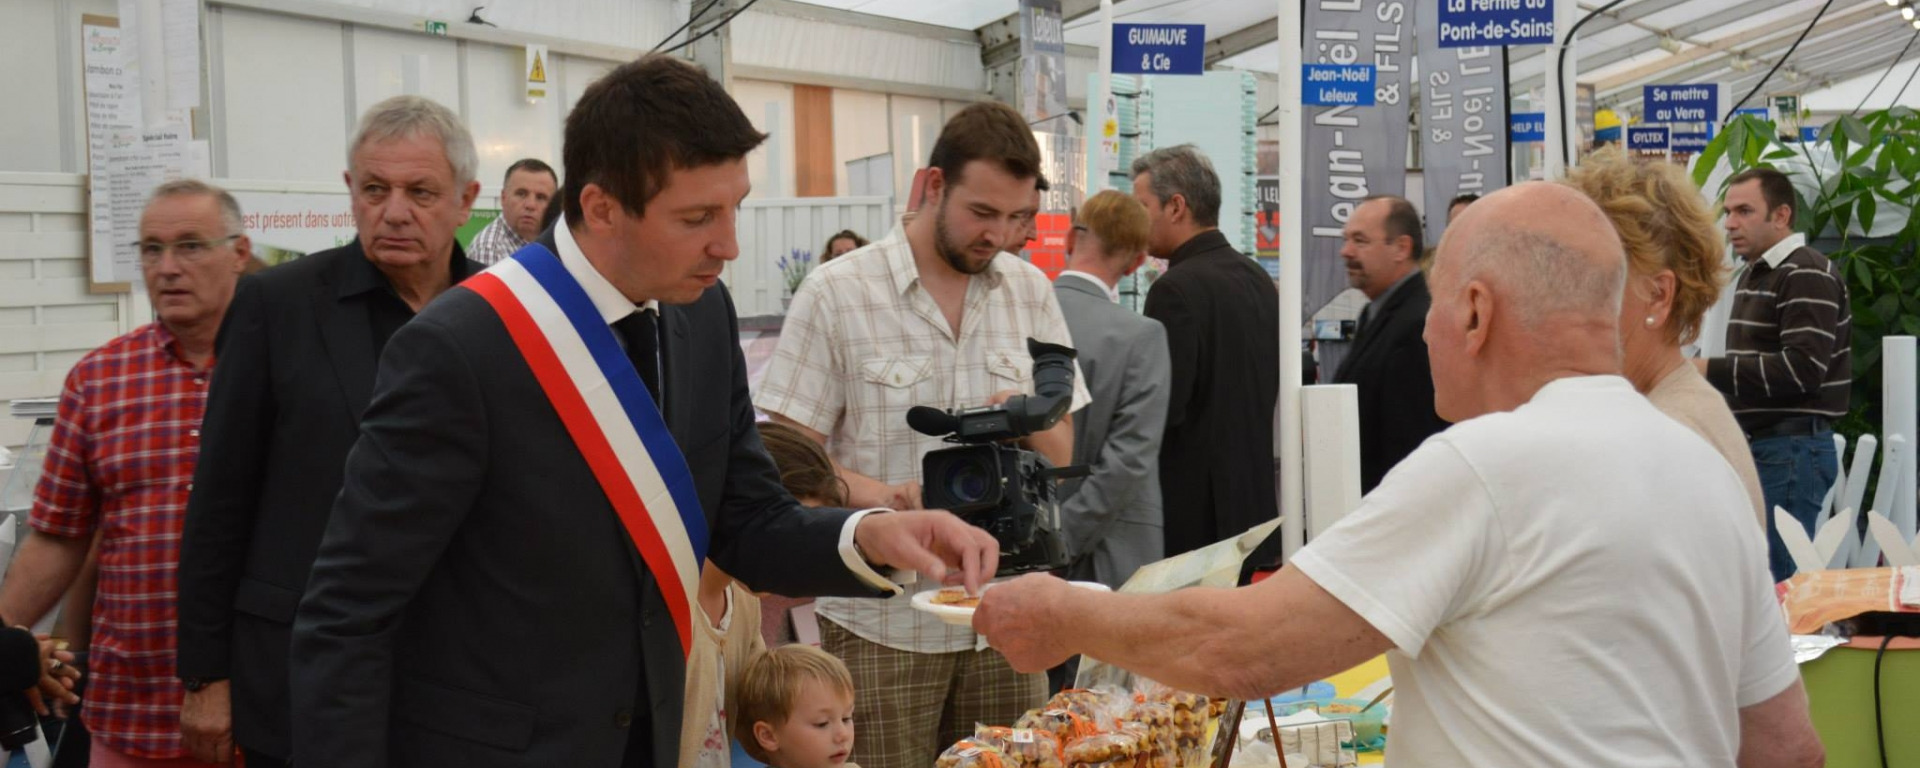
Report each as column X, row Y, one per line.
column 794, row 267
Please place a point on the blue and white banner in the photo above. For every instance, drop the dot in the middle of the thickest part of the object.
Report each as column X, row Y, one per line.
column 1696, row 103
column 1648, row 138
column 1467, row 23
column 1335, row 85
column 1526, row 127
column 1159, row 49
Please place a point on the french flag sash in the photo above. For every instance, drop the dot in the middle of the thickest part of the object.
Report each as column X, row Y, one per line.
column 610, row 415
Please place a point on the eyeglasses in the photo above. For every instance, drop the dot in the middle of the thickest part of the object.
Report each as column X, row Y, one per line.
column 184, row 250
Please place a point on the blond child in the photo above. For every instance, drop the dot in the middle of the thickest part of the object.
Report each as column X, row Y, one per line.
column 794, row 709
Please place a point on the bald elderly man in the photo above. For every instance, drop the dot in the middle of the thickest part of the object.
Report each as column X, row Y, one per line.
column 1508, row 567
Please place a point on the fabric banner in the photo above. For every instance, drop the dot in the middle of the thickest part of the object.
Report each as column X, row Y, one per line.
column 1352, row 152
column 1463, row 121
column 1043, row 60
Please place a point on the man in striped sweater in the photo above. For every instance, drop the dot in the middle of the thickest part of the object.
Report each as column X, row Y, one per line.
column 1789, row 362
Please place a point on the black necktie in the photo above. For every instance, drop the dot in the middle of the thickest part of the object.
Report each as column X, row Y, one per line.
column 641, row 332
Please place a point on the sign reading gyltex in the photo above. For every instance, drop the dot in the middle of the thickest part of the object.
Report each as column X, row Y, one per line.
column 1337, row 85
column 1697, row 103
column 1465, row 23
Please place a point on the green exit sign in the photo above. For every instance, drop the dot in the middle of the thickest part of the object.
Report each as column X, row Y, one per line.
column 435, row 28
column 1787, row 105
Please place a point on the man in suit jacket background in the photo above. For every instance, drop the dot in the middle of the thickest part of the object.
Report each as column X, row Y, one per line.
column 1113, row 516
column 297, row 353
column 1388, row 361
column 1222, row 317
column 477, row 601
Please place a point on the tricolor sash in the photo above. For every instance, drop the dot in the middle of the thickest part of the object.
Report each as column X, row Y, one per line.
column 610, row 415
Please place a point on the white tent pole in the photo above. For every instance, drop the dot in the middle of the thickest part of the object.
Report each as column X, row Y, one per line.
column 1096, row 117
column 1292, row 247
column 1560, row 123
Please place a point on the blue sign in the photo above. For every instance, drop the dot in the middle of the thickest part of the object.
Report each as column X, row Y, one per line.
column 1698, row 103
column 1528, row 126
column 1159, row 49
column 1647, row 137
column 1692, row 141
column 1474, row 23
column 1809, row 134
column 1759, row 112
column 1337, row 85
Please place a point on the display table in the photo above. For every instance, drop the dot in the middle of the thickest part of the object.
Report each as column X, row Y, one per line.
column 1840, row 693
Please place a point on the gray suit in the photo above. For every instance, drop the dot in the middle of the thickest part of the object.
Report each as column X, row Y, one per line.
column 1113, row 518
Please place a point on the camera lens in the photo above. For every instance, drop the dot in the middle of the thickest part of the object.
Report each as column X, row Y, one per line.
column 970, row 482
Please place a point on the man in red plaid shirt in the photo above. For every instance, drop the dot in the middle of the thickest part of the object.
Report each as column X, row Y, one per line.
column 120, row 465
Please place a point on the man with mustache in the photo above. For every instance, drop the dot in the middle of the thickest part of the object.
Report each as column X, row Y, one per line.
column 936, row 313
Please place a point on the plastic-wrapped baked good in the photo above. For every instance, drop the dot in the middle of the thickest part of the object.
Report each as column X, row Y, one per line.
column 1023, row 747
column 1156, row 746
column 1065, row 725
column 967, row 753
column 1105, row 750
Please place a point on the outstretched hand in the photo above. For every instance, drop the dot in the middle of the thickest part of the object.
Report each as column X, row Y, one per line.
column 935, row 543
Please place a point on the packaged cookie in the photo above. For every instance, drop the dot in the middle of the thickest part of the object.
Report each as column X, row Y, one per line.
column 1105, row 750
column 1065, row 725
column 1155, row 747
column 967, row 753
column 1022, row 747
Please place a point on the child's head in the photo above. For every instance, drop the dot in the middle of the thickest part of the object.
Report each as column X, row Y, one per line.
column 794, row 708
column 804, row 467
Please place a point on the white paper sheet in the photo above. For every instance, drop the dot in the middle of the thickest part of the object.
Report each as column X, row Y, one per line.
column 180, row 20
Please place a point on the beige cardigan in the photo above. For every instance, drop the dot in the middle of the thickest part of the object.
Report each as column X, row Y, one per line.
column 1686, row 397
column 739, row 645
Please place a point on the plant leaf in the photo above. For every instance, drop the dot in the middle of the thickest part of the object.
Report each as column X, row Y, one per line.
column 1856, row 131
column 1866, row 210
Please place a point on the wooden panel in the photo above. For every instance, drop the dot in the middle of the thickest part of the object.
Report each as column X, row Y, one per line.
column 43, row 245
column 58, row 338
column 813, row 140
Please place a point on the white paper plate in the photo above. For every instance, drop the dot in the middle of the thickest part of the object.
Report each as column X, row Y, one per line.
column 963, row 616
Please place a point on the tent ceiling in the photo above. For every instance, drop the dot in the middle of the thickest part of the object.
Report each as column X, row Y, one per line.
column 1638, row 42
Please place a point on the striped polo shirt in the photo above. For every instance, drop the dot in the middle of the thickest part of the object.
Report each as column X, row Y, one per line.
column 1789, row 348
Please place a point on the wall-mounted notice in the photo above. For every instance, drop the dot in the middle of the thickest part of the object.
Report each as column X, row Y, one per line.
column 536, row 72
column 113, row 126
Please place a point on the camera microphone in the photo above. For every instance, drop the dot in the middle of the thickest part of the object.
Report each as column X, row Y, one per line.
column 932, row 421
column 19, row 672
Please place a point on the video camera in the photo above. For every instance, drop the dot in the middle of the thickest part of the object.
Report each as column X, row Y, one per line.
column 988, row 481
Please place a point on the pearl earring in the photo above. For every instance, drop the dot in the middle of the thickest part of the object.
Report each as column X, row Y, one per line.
column 1650, row 321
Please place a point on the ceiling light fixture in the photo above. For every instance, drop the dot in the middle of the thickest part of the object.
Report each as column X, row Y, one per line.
column 1906, row 12
column 1669, row 44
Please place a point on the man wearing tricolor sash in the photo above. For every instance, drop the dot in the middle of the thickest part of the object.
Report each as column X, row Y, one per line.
column 552, row 450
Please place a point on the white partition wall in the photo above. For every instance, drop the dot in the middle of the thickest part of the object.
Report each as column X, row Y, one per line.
column 47, row 318
column 770, row 228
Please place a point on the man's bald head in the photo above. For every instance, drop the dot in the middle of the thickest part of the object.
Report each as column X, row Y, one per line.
column 1526, row 289
column 1548, row 245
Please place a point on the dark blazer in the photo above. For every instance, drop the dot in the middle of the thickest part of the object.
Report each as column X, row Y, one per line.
column 1389, row 364
column 1113, row 518
column 1222, row 316
column 477, row 603
column 297, row 358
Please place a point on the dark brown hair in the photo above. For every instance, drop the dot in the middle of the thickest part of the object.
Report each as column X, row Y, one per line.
column 643, row 121
column 804, row 467
column 989, row 131
column 826, row 252
column 1774, row 187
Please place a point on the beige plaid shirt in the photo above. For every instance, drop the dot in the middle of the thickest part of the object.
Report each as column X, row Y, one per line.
column 862, row 343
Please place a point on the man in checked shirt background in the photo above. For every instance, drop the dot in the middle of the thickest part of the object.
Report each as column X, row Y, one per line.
column 1788, row 370
column 120, row 463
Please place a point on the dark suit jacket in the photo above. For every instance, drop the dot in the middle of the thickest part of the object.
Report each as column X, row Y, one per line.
column 1389, row 364
column 476, row 601
column 296, row 368
column 1222, row 317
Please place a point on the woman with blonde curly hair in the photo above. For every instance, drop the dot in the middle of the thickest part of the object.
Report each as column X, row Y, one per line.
column 1675, row 270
